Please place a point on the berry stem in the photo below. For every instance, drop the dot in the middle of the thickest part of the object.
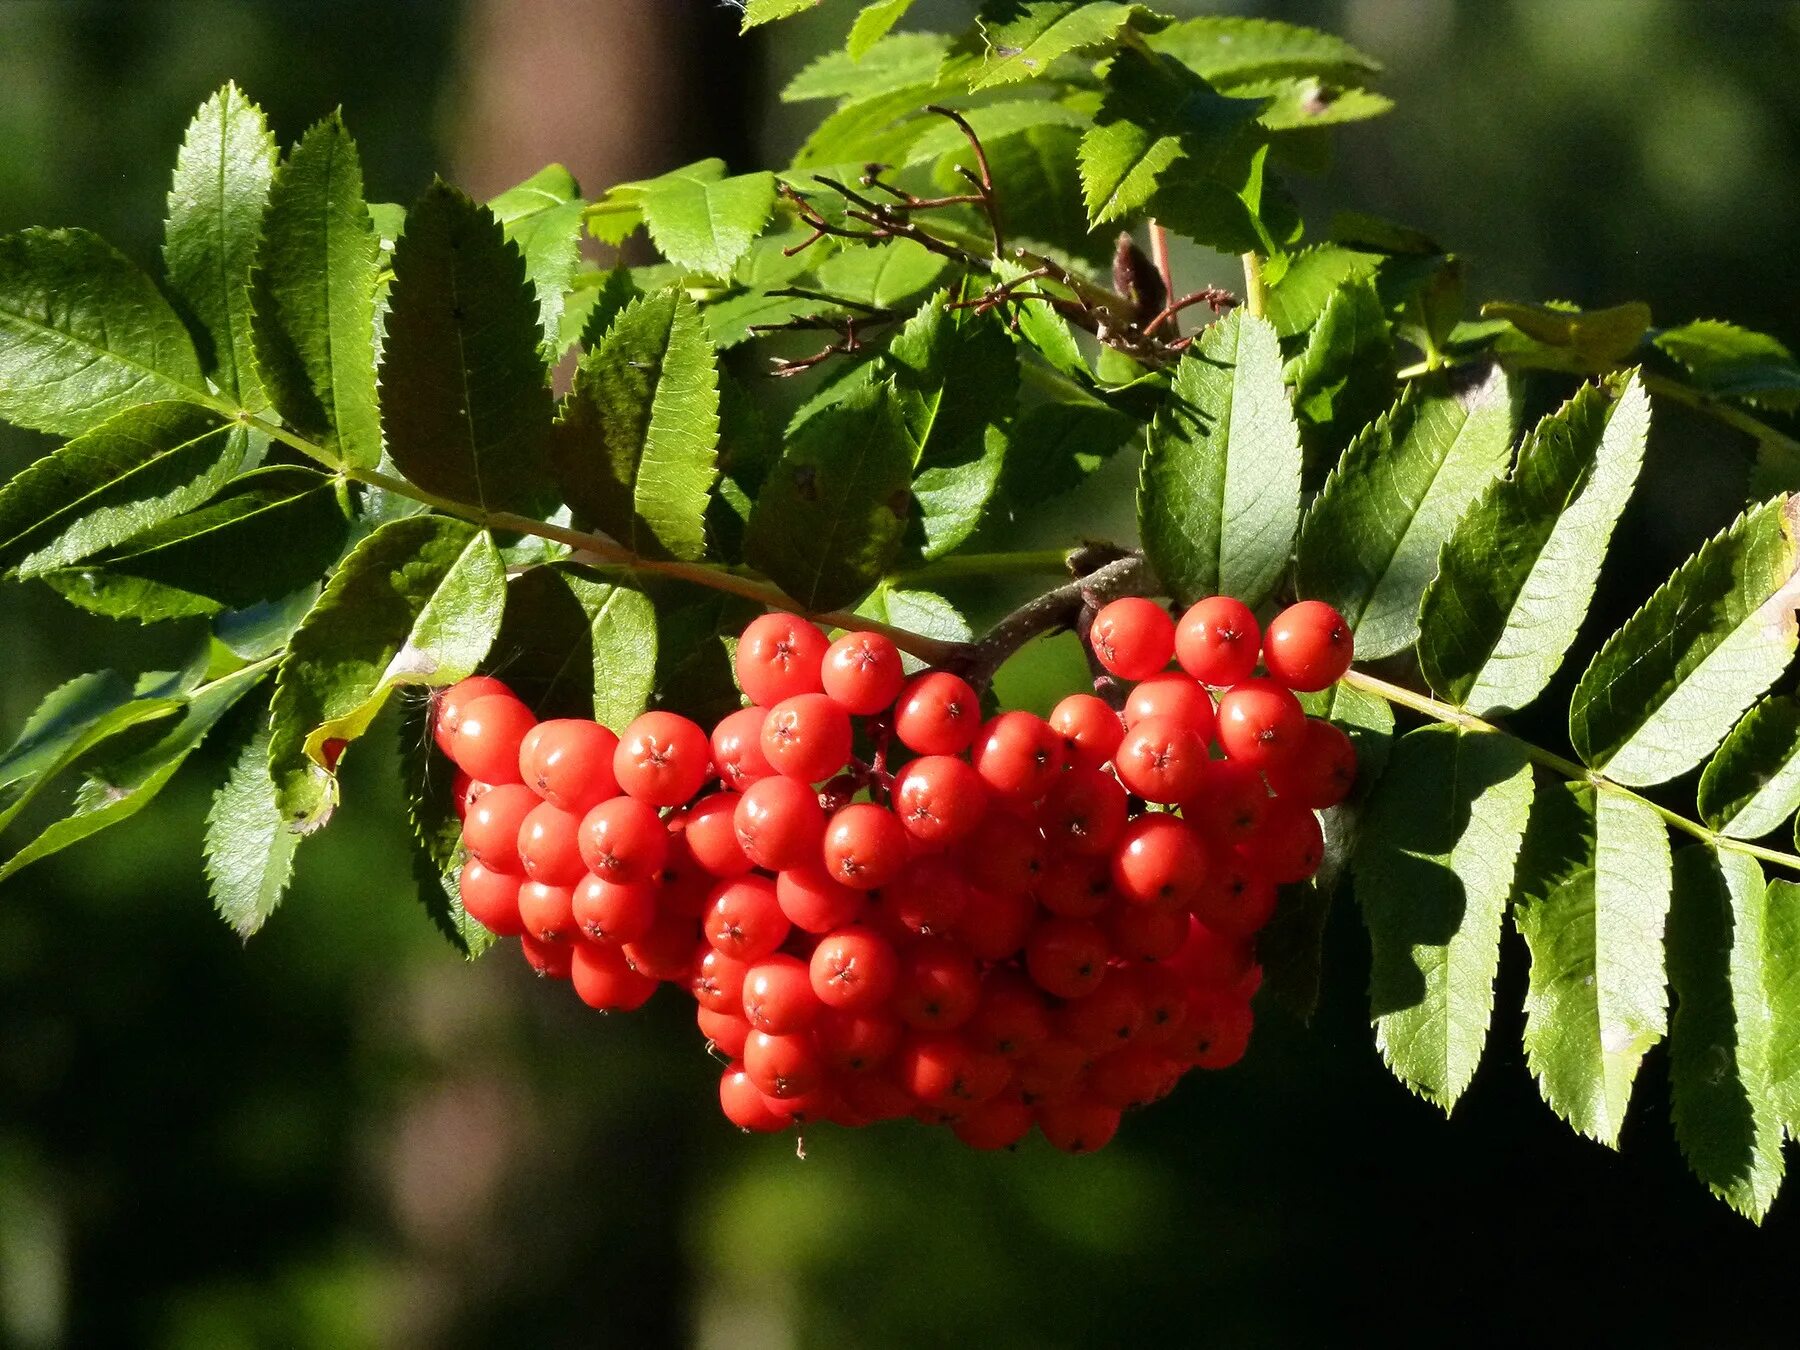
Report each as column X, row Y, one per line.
column 1438, row 711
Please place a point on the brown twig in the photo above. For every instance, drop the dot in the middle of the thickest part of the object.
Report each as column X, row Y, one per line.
column 1220, row 300
column 983, row 180
column 1096, row 583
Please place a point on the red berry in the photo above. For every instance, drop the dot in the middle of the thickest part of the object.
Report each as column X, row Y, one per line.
column 666, row 952
column 1090, row 730
column 1164, row 997
column 1152, row 932
column 1212, row 960
column 1308, row 646
column 726, row 1032
column 778, row 656
column 1129, row 1076
column 1260, row 723
column 994, row 927
column 1051, row 1070
column 1178, row 697
column 1083, row 812
column 1237, row 898
column 622, row 840
column 931, row 1064
column 1075, row 887
column 1005, row 855
column 547, row 911
column 854, row 969
column 1078, row 1126
column 448, row 705
column 1011, row 1018
column 1231, row 802
column 938, row 714
column 1066, row 957
column 717, row 981
column 1162, row 760
column 780, row 824
column 550, row 845
column 1160, row 858
column 806, row 737
column 1133, row 638
column 856, row 1041
column 465, row 792
column 995, row 1124
column 1217, row 641
column 1290, row 845
column 938, row 986
column 611, row 913
column 737, row 748
column 604, row 980
column 710, row 827
column 744, row 919
column 812, row 901
column 744, row 1104
column 551, row 960
column 865, row 846
column 1018, row 753
column 1105, row 1019
column 783, row 1066
column 931, row 896
column 569, row 763
column 778, row 996
column 1322, row 772
column 862, row 673
column 491, row 831
column 662, row 759
column 491, row 898
column 489, row 732
column 939, row 799
column 1218, row 1029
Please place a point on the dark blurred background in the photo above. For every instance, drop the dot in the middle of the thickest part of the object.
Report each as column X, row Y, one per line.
column 341, row 1135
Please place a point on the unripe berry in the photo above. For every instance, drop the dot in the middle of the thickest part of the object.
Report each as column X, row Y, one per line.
column 1133, row 637
column 569, row 763
column 1308, row 646
column 662, row 759
column 865, row 846
column 937, row 714
column 806, row 737
column 854, row 970
column 939, row 799
column 1217, row 641
column 778, row 656
column 780, row 824
column 1018, row 753
column 1260, row 723
column 622, row 840
column 491, row 898
column 1090, row 729
column 491, row 831
column 862, row 673
column 488, row 734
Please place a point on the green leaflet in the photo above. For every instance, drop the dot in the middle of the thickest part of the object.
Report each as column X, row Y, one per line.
column 1563, row 337
column 1344, row 377
column 1752, row 785
column 1038, row 186
column 635, row 448
column 1516, row 577
column 1667, row 687
column 1720, row 1053
column 1781, row 987
column 1226, row 50
column 222, row 179
column 1432, row 873
column 1308, row 280
column 425, row 781
column 465, row 399
column 249, row 849
column 895, row 61
column 418, row 602
column 993, row 124
column 1155, row 112
column 873, row 24
column 84, row 334
column 119, row 790
column 868, row 127
column 542, row 219
column 885, row 277
column 1594, row 923
column 1725, row 361
column 1219, row 499
column 143, row 467
column 767, row 11
column 954, row 491
column 1055, row 446
column 924, row 612
column 59, row 720
column 313, row 293
column 831, row 515
column 1294, row 104
column 1021, row 38
column 698, row 218
column 219, row 556
column 573, row 646
column 1371, row 540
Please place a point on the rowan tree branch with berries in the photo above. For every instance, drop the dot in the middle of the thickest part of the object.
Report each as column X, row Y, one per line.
column 715, row 663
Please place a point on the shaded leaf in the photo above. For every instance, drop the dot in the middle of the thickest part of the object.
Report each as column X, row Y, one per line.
column 1219, row 499
column 573, row 646
column 1518, row 573
column 1781, row 987
column 466, row 402
column 1752, row 784
column 1432, row 872
column 1725, row 361
column 425, row 782
column 1666, row 688
column 1055, row 446
column 313, row 296
column 831, row 515
column 1344, row 376
column 634, row 450
column 84, row 334
column 1229, row 49
column 249, row 849
column 1371, row 540
column 1563, row 337
column 143, row 467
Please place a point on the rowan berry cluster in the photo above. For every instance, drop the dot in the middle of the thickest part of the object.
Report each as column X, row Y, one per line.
column 886, row 904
